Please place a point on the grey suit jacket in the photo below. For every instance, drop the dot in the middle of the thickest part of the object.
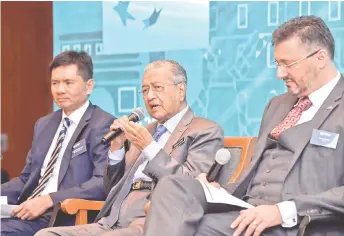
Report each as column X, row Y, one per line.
column 315, row 179
column 202, row 138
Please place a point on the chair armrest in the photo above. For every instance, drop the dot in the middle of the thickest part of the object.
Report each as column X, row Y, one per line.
column 79, row 208
column 72, row 206
column 306, row 220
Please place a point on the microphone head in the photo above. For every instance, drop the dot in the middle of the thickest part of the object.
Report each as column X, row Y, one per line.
column 222, row 156
column 139, row 112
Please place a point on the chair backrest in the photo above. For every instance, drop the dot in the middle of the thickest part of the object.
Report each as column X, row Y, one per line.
column 241, row 149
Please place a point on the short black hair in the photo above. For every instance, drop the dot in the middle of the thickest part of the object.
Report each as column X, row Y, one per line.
column 81, row 59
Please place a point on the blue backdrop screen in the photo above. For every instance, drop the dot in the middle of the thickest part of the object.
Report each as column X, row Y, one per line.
column 225, row 48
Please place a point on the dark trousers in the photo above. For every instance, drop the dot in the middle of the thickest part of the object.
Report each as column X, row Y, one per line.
column 18, row 227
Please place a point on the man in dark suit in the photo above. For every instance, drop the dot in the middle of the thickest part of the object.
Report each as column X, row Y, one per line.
column 66, row 159
column 178, row 143
column 298, row 166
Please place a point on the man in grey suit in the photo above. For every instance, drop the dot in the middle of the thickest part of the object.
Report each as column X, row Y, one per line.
column 178, row 143
column 298, row 166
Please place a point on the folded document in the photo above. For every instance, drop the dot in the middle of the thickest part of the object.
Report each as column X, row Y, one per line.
column 220, row 195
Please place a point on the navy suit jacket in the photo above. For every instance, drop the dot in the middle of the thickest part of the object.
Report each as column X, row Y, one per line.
column 80, row 176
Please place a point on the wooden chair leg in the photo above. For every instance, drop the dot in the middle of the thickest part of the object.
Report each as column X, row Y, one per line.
column 81, row 217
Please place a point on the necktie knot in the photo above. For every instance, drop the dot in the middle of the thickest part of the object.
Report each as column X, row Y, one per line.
column 304, row 104
column 66, row 122
column 160, row 130
column 292, row 117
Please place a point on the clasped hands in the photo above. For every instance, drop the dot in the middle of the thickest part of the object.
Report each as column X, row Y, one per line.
column 138, row 135
column 253, row 220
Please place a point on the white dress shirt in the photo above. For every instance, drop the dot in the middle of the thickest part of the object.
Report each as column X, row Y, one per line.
column 152, row 149
column 74, row 117
column 288, row 208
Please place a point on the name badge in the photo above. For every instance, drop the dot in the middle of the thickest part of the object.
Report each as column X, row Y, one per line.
column 324, row 138
column 177, row 144
column 79, row 148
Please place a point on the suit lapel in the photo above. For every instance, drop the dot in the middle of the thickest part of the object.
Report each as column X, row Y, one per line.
column 49, row 132
column 179, row 130
column 45, row 139
column 281, row 112
column 278, row 115
column 79, row 129
column 330, row 103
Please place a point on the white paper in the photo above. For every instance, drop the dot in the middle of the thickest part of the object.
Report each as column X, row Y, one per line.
column 3, row 200
column 220, row 195
column 6, row 210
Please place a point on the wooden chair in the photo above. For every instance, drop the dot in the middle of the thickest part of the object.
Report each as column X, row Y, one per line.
column 77, row 207
column 241, row 149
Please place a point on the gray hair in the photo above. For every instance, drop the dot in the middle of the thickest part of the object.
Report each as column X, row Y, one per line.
column 311, row 30
column 179, row 73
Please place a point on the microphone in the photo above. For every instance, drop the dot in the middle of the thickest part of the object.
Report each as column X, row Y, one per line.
column 135, row 116
column 222, row 157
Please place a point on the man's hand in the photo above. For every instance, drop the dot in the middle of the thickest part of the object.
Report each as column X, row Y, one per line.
column 118, row 142
column 256, row 220
column 134, row 132
column 203, row 178
column 138, row 135
column 33, row 208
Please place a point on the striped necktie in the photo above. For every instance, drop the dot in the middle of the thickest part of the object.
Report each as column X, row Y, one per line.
column 51, row 164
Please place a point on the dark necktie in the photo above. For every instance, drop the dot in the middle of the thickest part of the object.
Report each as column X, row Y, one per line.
column 116, row 206
column 51, row 164
column 292, row 117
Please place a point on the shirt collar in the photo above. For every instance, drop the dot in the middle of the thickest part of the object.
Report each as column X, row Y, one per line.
column 76, row 115
column 172, row 123
column 318, row 97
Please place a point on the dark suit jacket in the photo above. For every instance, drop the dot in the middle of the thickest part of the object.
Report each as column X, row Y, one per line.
column 315, row 178
column 80, row 176
column 202, row 139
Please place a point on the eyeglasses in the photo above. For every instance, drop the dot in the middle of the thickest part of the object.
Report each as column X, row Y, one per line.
column 284, row 66
column 156, row 88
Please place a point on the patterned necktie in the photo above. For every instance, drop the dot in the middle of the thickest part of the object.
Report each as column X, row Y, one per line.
column 51, row 164
column 116, row 206
column 292, row 117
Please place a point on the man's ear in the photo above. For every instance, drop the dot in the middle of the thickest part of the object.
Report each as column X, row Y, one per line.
column 89, row 86
column 323, row 58
column 182, row 91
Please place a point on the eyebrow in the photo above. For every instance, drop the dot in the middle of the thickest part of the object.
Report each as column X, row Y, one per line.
column 58, row 79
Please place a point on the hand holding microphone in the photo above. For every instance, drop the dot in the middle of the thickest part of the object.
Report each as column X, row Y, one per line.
column 118, row 141
column 117, row 127
column 125, row 128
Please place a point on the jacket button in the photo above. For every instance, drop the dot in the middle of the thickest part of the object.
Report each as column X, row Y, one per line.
column 312, row 211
